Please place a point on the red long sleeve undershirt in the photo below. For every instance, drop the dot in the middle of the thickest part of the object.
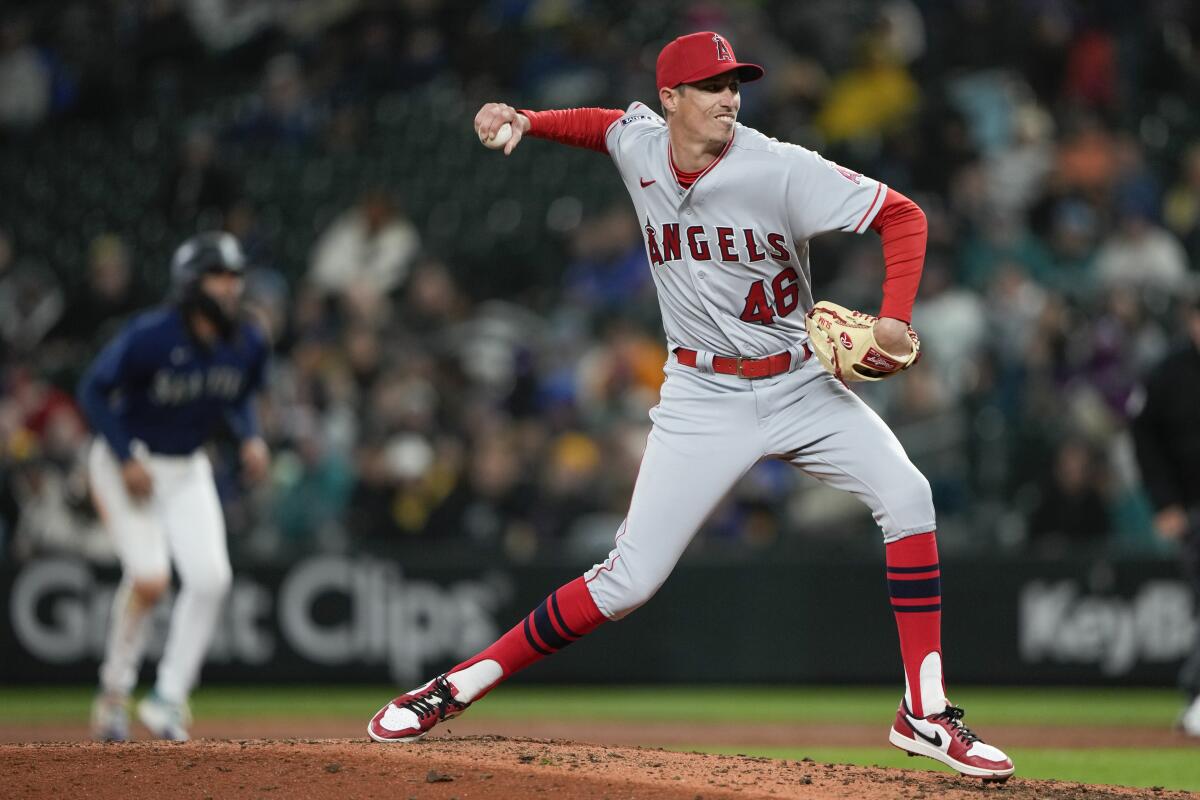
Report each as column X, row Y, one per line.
column 581, row 127
column 900, row 223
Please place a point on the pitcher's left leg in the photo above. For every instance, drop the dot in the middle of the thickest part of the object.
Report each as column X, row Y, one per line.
column 834, row 436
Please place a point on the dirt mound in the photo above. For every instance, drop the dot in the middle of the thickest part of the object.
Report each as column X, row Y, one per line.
column 474, row 767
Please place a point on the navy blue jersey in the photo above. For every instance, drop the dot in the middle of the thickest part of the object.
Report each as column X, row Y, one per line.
column 157, row 383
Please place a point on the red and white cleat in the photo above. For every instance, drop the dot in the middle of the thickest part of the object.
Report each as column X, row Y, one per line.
column 411, row 716
column 944, row 738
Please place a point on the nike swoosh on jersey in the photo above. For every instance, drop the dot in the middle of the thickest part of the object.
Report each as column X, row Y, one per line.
column 646, row 183
column 935, row 740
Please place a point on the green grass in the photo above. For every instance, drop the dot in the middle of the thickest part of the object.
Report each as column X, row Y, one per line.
column 1172, row 769
column 849, row 705
column 1040, row 706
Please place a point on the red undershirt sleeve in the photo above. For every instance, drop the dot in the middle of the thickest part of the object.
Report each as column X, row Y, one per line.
column 580, row 127
column 901, row 225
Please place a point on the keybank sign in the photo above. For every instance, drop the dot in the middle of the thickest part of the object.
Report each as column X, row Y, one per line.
column 1060, row 622
column 330, row 611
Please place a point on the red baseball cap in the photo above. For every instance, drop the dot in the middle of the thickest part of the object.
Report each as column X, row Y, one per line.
column 698, row 56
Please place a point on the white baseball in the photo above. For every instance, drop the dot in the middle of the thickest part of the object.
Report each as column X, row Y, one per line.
column 500, row 139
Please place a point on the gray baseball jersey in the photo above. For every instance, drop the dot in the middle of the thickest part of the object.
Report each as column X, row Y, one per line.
column 730, row 254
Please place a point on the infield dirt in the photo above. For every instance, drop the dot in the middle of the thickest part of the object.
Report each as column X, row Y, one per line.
column 466, row 767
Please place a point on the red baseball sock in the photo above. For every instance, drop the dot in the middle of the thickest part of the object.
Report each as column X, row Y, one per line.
column 566, row 615
column 915, row 585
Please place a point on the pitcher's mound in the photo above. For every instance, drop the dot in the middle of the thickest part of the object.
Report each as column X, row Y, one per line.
column 474, row 767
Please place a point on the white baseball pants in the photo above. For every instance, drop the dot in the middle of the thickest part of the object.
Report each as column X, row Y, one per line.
column 710, row 429
column 181, row 523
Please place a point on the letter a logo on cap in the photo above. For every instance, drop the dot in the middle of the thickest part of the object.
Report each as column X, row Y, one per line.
column 723, row 53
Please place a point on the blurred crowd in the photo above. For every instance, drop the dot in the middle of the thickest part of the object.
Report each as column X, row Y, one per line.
column 1050, row 143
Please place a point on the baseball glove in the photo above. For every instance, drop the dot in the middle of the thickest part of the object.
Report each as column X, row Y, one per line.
column 844, row 341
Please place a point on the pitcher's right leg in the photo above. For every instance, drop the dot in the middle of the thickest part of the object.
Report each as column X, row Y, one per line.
column 701, row 444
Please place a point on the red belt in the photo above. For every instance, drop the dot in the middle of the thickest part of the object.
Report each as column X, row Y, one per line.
column 749, row 368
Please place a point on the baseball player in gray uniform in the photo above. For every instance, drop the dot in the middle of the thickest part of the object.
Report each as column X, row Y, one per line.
column 728, row 214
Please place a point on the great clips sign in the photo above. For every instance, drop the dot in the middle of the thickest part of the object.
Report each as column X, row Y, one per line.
column 364, row 618
column 326, row 616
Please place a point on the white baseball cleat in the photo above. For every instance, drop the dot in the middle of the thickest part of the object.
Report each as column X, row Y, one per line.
column 110, row 718
column 944, row 738
column 164, row 719
column 411, row 716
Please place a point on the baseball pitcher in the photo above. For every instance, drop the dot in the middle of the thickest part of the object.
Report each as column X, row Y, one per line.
column 728, row 214
column 153, row 395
